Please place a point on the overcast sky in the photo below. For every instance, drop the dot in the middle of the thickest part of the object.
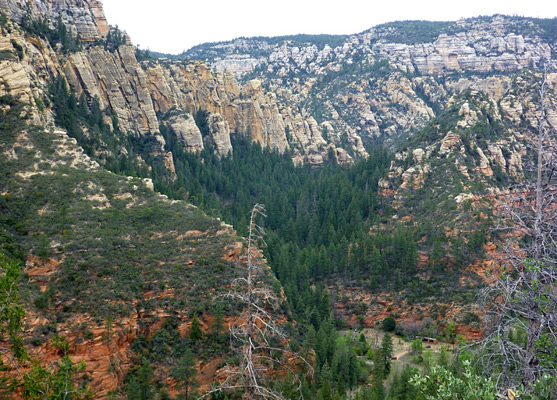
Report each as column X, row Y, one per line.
column 172, row 26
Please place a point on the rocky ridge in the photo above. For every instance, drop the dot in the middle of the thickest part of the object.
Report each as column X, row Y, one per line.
column 139, row 94
column 385, row 83
column 483, row 44
column 481, row 144
column 84, row 17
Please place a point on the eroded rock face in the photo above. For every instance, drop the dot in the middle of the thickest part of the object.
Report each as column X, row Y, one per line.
column 449, row 143
column 480, row 48
column 13, row 73
column 119, row 82
column 220, row 134
column 259, row 117
column 515, row 164
column 480, row 44
column 496, row 156
column 464, row 153
column 27, row 65
column 187, row 132
column 249, row 110
column 83, row 17
column 134, row 94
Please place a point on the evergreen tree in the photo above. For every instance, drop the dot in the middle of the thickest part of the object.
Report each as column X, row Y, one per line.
column 387, row 352
column 186, row 373
column 140, row 384
column 217, row 329
column 195, row 333
column 377, row 375
column 377, row 390
column 450, row 332
column 401, row 388
column 389, row 324
column 325, row 393
column 443, row 359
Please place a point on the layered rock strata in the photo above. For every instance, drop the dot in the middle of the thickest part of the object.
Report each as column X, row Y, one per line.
column 83, row 17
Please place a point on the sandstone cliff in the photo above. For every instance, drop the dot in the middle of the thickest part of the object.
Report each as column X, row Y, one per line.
column 395, row 92
column 26, row 66
column 117, row 79
column 388, row 81
column 83, row 17
column 135, row 92
column 247, row 110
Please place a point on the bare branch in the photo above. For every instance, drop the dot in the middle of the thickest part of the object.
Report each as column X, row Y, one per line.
column 522, row 296
column 256, row 328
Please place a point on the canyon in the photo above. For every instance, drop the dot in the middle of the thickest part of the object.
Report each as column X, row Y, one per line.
column 456, row 104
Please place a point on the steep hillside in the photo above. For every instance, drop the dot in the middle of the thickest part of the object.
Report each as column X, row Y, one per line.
column 108, row 261
column 139, row 95
column 386, row 83
column 482, row 144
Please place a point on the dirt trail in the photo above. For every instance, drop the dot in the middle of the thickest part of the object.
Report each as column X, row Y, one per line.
column 399, row 355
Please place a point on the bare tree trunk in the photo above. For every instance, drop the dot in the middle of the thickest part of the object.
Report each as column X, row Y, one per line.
column 534, row 326
column 256, row 326
column 249, row 375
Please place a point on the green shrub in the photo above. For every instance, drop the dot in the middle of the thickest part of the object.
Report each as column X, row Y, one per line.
column 389, row 324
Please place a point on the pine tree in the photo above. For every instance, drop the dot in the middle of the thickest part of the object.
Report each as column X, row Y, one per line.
column 378, row 390
column 378, row 370
column 218, row 323
column 387, row 352
column 140, row 384
column 195, row 333
column 443, row 359
column 186, row 373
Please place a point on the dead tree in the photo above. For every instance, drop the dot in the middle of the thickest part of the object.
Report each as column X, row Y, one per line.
column 256, row 334
column 523, row 294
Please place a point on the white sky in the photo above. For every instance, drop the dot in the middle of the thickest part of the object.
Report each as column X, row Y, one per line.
column 172, row 26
